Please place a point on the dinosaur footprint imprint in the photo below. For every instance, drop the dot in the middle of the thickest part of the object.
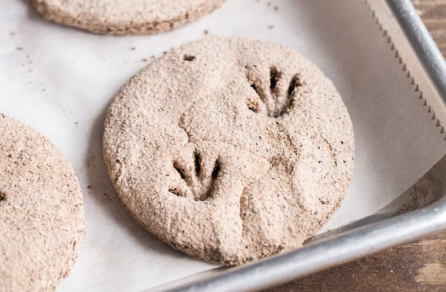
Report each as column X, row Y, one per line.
column 197, row 178
column 276, row 99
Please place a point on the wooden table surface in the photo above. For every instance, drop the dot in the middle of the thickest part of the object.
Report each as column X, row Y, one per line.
column 414, row 267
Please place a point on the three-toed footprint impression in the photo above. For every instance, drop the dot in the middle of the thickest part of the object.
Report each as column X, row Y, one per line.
column 229, row 149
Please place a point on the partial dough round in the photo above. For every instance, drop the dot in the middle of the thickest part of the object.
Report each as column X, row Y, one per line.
column 230, row 149
column 125, row 17
column 41, row 211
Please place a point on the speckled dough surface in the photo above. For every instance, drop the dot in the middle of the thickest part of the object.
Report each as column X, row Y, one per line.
column 41, row 211
column 124, row 17
column 230, row 149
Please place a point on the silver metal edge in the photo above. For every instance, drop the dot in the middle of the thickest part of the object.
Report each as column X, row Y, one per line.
column 422, row 43
column 359, row 242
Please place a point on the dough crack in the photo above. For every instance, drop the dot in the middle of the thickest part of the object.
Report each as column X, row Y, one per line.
column 332, row 150
column 119, row 171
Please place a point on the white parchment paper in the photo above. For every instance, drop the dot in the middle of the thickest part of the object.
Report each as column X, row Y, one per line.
column 60, row 81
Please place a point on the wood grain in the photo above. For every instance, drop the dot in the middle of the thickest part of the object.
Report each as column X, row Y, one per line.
column 433, row 14
column 415, row 267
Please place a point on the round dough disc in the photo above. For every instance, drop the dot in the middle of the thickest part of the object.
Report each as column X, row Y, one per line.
column 125, row 17
column 230, row 149
column 41, row 211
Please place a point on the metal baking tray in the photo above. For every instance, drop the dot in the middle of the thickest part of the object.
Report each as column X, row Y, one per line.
column 378, row 54
column 405, row 219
